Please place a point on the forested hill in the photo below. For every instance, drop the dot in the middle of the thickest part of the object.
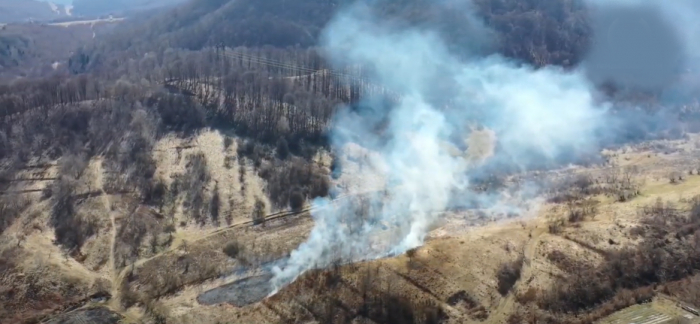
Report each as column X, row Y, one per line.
column 535, row 31
column 11, row 49
column 25, row 10
column 104, row 7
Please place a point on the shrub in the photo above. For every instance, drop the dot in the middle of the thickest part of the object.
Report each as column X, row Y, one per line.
column 10, row 209
column 412, row 252
column 71, row 229
column 233, row 249
column 675, row 177
column 296, row 200
column 192, row 184
column 259, row 212
column 282, row 148
column 215, row 205
column 155, row 193
column 308, row 179
column 228, row 162
column 228, row 141
column 530, row 296
column 575, row 215
column 508, row 274
column 394, row 308
column 555, row 226
column 336, row 169
column 656, row 260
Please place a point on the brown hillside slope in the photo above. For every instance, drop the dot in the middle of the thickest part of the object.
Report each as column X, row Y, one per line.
column 466, row 273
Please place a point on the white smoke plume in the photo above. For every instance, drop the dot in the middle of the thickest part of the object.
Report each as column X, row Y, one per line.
column 537, row 115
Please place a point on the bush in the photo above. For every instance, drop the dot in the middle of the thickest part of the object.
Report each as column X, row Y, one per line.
column 252, row 150
column 180, row 113
column 308, row 179
column 228, row 141
column 71, row 230
column 192, row 184
column 412, row 252
column 128, row 297
column 656, row 260
column 10, row 209
column 259, row 212
column 282, row 148
column 530, row 296
column 296, row 200
column 215, row 205
column 155, row 194
column 675, row 177
column 575, row 216
column 555, row 226
column 233, row 249
column 336, row 169
column 508, row 274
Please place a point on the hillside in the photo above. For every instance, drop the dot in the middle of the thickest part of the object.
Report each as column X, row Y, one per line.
column 38, row 49
column 30, row 10
column 322, row 162
column 205, row 23
column 95, row 8
column 156, row 210
column 13, row 48
column 162, row 258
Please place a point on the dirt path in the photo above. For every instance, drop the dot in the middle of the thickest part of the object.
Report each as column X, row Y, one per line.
column 114, row 274
column 112, row 246
column 87, row 22
column 117, row 279
column 506, row 305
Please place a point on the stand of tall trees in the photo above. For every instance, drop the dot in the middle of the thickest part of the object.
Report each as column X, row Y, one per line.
column 536, row 32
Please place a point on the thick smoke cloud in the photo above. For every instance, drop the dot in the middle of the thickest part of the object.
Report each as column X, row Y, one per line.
column 644, row 44
column 536, row 115
column 525, row 118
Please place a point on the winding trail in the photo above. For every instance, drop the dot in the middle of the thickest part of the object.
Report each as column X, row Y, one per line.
column 506, row 305
column 120, row 276
column 114, row 274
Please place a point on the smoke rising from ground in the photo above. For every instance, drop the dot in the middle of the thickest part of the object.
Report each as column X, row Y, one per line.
column 536, row 116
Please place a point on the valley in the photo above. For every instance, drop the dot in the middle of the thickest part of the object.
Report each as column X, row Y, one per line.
column 347, row 162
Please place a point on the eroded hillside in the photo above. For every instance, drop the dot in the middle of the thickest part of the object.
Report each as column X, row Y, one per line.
column 146, row 261
column 168, row 174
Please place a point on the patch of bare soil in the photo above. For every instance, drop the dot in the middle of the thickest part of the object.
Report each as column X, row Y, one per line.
column 239, row 293
column 97, row 315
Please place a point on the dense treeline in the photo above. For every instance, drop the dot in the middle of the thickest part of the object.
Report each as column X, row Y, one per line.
column 540, row 32
column 37, row 50
column 537, row 32
column 92, row 8
column 12, row 48
column 264, row 93
column 75, row 118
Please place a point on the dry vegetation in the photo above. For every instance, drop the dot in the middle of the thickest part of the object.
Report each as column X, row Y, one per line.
column 151, row 174
column 36, row 50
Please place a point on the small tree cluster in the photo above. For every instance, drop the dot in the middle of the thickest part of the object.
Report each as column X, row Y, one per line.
column 508, row 274
column 668, row 253
column 292, row 182
column 192, row 185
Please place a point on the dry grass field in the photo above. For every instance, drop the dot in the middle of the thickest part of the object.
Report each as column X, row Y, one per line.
column 144, row 263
